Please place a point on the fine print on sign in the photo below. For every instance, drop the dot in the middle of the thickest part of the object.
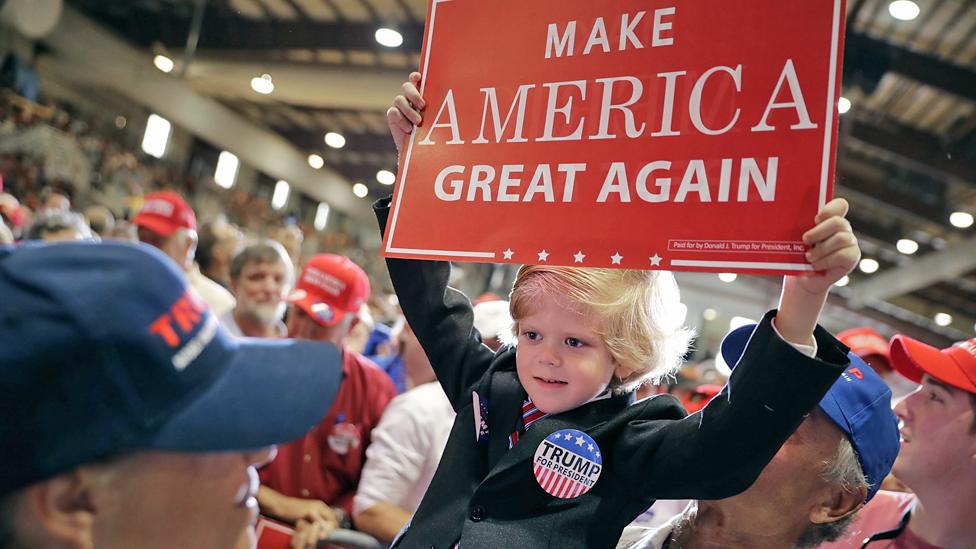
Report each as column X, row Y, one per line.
column 632, row 134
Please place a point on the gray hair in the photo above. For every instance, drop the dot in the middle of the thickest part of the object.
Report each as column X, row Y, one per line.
column 54, row 221
column 843, row 470
column 263, row 251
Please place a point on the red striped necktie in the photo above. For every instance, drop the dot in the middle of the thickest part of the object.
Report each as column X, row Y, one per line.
column 530, row 414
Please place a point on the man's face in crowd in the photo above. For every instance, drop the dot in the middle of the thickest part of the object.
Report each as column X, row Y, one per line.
column 57, row 202
column 791, row 480
column 168, row 500
column 260, row 289
column 178, row 246
column 937, row 440
column 149, row 500
column 303, row 326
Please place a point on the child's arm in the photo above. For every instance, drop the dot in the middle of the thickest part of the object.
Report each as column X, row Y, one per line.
column 721, row 450
column 440, row 316
column 833, row 252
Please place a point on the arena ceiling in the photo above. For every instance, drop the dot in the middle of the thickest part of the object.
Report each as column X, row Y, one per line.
column 907, row 153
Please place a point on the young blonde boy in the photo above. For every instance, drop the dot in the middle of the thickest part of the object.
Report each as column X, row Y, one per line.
column 549, row 448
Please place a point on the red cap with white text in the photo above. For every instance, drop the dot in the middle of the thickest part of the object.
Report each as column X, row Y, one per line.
column 164, row 213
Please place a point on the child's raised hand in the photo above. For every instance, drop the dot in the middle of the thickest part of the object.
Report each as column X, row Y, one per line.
column 833, row 252
column 832, row 248
column 405, row 112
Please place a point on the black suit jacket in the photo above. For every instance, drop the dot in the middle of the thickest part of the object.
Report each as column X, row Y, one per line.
column 485, row 495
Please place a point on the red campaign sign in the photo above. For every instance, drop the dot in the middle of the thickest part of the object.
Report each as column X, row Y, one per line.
column 632, row 134
column 272, row 535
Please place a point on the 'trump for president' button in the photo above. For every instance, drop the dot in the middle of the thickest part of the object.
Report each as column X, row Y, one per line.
column 567, row 463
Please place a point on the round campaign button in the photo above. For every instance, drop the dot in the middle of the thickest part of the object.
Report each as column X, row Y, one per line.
column 567, row 463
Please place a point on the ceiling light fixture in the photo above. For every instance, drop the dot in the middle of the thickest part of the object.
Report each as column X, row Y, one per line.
column 727, row 277
column 844, row 281
column 315, row 161
column 869, row 265
column 385, row 177
column 262, row 84
column 962, row 220
column 943, row 319
column 904, row 10
column 335, row 140
column 360, row 190
column 226, row 173
column 321, row 216
column 389, row 37
column 163, row 63
column 155, row 139
column 843, row 105
column 907, row 246
column 280, row 196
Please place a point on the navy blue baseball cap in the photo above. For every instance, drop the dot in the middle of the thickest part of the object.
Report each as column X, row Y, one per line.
column 859, row 402
column 105, row 349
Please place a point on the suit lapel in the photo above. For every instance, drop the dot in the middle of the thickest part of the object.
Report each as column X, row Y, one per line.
column 504, row 409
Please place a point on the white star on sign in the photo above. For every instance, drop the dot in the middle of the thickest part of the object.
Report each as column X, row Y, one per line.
column 579, row 441
column 598, row 455
column 578, row 257
column 567, row 436
column 508, row 253
column 655, row 260
column 589, row 447
column 543, row 255
column 615, row 258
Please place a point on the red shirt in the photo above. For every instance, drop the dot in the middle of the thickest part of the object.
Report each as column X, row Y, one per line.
column 326, row 463
column 884, row 512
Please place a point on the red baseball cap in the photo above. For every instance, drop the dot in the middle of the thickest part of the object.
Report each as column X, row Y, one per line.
column 954, row 366
column 869, row 345
column 330, row 287
column 164, row 213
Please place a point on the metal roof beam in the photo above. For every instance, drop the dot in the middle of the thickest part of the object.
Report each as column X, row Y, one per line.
column 955, row 260
column 109, row 62
column 873, row 56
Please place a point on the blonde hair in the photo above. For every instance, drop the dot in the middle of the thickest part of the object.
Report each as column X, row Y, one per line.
column 636, row 313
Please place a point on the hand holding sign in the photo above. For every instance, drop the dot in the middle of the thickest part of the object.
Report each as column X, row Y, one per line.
column 833, row 247
column 405, row 112
column 834, row 253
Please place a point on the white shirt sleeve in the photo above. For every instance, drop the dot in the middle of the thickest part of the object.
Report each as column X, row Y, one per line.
column 808, row 350
column 406, row 446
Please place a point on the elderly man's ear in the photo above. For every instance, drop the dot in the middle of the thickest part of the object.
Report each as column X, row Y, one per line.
column 837, row 504
column 58, row 512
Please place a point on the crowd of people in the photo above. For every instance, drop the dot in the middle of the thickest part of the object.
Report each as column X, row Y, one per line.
column 143, row 386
